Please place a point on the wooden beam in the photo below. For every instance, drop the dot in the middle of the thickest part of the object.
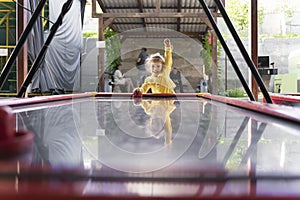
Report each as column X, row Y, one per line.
column 214, row 63
column 94, row 12
column 179, row 5
column 254, row 45
column 102, row 5
column 142, row 15
column 207, row 22
column 140, row 3
column 151, row 23
column 108, row 22
column 105, row 21
column 158, row 3
column 129, row 34
column 153, row 15
column 22, row 66
column 101, row 56
column 154, row 7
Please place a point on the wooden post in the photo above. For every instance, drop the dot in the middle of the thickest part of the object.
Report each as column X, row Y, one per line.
column 101, row 56
column 214, row 64
column 253, row 45
column 22, row 61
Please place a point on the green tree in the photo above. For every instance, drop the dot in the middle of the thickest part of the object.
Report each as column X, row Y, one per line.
column 288, row 9
column 206, row 55
column 238, row 11
column 112, row 49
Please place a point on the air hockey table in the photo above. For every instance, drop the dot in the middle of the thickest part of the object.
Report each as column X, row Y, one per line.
column 286, row 99
column 113, row 146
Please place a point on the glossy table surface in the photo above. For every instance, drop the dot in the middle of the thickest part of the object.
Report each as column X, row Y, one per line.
column 183, row 146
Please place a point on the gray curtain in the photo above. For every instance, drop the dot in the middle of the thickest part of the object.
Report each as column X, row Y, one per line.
column 35, row 40
column 61, row 68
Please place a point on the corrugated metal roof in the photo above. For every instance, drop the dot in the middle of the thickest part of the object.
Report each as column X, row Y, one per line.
column 192, row 26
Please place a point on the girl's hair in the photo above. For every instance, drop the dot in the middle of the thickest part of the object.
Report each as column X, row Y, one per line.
column 154, row 58
column 157, row 57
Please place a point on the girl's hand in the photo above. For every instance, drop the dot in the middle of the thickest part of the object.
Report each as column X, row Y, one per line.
column 167, row 42
column 137, row 93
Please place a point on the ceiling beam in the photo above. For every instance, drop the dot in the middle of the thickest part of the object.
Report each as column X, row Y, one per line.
column 140, row 4
column 161, row 34
column 156, row 13
column 154, row 7
column 102, row 5
column 179, row 5
column 153, row 15
column 107, row 22
column 158, row 4
column 151, row 23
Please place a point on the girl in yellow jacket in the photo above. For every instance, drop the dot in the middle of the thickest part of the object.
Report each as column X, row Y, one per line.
column 160, row 121
column 160, row 67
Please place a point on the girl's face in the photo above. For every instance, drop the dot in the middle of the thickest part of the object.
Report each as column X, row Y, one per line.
column 156, row 68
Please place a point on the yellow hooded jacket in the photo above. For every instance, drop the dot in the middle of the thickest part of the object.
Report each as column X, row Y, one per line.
column 162, row 109
column 162, row 84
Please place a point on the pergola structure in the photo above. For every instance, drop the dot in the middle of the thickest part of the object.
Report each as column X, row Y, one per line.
column 184, row 16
